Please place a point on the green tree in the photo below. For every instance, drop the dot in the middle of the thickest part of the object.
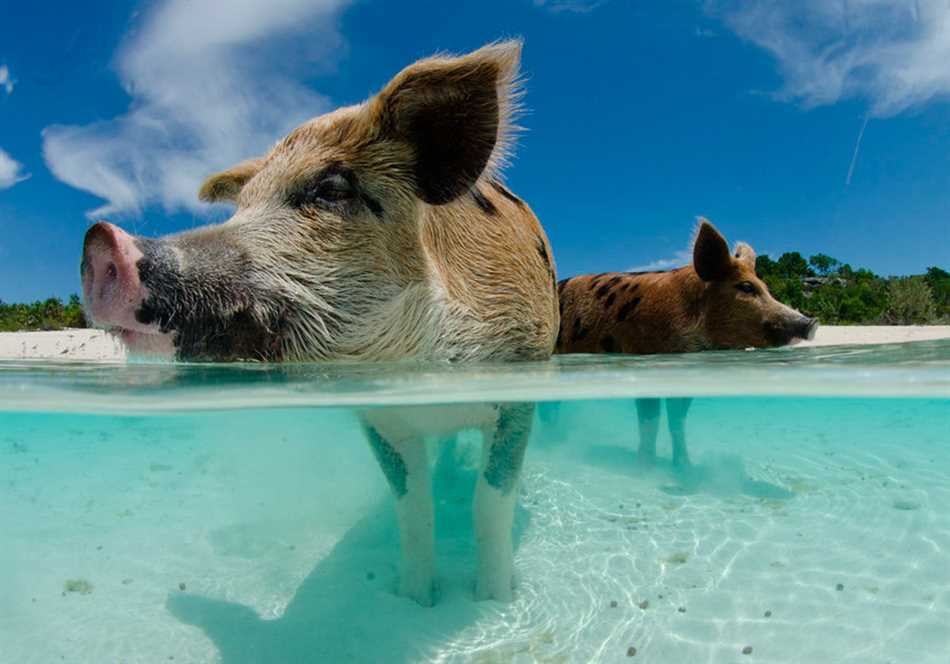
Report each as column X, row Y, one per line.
column 793, row 264
column 49, row 314
column 765, row 266
column 910, row 301
column 823, row 263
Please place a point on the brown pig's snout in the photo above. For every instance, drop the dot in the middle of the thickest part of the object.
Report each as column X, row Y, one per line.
column 791, row 329
column 112, row 291
column 807, row 327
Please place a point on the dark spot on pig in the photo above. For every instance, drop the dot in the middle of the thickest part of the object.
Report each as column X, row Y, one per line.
column 504, row 191
column 610, row 300
column 627, row 309
column 579, row 330
column 603, row 290
column 630, row 285
column 483, row 203
column 508, row 446
column 392, row 463
column 607, row 344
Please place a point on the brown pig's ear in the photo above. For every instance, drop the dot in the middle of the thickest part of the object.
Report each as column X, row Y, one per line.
column 454, row 114
column 711, row 257
column 226, row 185
column 745, row 253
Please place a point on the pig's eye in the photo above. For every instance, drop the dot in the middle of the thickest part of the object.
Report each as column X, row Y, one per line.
column 330, row 187
column 747, row 287
column 335, row 187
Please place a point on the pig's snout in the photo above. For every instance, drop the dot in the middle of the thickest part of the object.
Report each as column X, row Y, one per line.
column 807, row 328
column 791, row 330
column 111, row 288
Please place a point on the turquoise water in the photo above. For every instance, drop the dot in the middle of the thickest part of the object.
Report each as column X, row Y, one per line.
column 235, row 514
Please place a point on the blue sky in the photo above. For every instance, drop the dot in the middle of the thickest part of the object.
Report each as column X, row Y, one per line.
column 641, row 116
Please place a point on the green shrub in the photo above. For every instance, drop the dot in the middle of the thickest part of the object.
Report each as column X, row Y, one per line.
column 910, row 302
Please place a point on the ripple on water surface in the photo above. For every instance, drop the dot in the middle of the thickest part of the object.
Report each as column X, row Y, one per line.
column 807, row 529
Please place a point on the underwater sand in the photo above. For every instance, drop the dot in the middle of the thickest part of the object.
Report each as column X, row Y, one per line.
column 808, row 529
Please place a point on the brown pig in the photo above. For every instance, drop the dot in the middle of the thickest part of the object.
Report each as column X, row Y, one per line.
column 717, row 303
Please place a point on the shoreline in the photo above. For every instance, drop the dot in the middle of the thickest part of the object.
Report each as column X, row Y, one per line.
column 100, row 346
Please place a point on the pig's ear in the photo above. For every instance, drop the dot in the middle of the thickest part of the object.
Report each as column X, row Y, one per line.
column 454, row 114
column 711, row 257
column 745, row 253
column 226, row 185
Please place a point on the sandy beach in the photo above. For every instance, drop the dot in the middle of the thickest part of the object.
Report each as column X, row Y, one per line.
column 97, row 345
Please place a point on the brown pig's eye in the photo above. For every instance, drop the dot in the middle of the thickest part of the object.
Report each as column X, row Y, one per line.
column 747, row 287
column 335, row 187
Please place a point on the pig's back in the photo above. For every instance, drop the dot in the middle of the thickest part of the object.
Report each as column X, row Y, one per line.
column 625, row 312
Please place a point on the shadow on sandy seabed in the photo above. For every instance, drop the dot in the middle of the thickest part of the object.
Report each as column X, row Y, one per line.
column 346, row 609
column 718, row 474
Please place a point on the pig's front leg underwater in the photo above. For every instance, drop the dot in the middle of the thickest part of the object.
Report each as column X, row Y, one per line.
column 676, row 411
column 405, row 464
column 648, row 418
column 403, row 459
column 495, row 496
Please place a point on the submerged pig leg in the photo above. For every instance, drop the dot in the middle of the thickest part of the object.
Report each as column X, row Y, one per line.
column 676, row 410
column 405, row 464
column 648, row 417
column 495, row 497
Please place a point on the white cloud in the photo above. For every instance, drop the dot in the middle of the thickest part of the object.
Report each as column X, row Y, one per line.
column 6, row 80
column 573, row 6
column 210, row 85
column 679, row 259
column 892, row 53
column 11, row 171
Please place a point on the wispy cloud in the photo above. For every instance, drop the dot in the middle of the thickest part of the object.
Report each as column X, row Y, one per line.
column 679, row 259
column 7, row 81
column 892, row 53
column 573, row 6
column 208, row 87
column 11, row 171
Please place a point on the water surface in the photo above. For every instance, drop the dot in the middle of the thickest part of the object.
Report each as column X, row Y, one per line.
column 234, row 513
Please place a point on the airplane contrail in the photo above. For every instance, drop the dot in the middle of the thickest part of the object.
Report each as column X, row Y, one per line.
column 857, row 148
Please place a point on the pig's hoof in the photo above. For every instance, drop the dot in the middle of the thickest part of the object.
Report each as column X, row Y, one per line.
column 682, row 463
column 420, row 589
column 496, row 587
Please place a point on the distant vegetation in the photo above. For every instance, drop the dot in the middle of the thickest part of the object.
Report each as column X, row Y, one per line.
column 840, row 295
column 49, row 314
column 819, row 286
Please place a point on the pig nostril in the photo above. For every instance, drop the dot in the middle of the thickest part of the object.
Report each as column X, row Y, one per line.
column 111, row 271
